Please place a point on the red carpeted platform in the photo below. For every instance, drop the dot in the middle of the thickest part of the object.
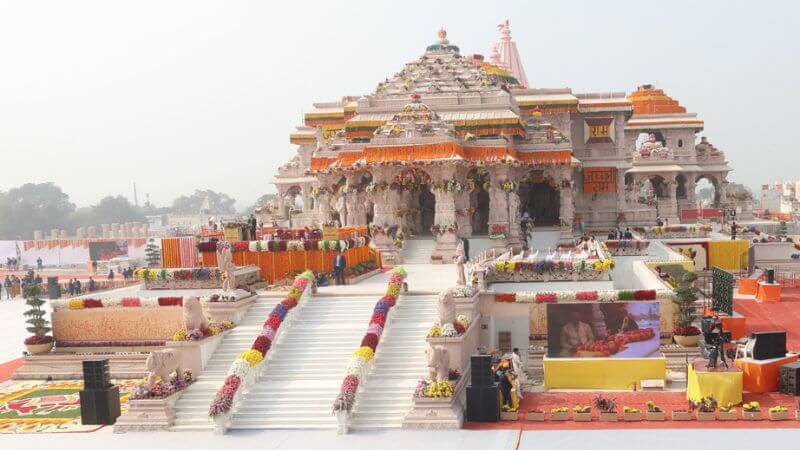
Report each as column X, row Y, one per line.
column 7, row 369
column 668, row 401
column 774, row 316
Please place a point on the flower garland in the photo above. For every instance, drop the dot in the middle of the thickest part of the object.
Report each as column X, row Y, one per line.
column 439, row 230
column 359, row 363
column 246, row 362
column 497, row 231
column 126, row 302
column 542, row 266
column 455, row 329
column 162, row 388
column 197, row 273
column 584, row 296
column 293, row 245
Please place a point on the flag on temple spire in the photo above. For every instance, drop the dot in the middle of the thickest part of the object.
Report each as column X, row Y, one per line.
column 509, row 56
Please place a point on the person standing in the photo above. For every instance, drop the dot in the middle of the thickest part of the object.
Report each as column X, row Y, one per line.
column 78, row 287
column 466, row 248
column 39, row 263
column 16, row 286
column 339, row 264
column 111, row 275
column 91, row 284
column 7, row 285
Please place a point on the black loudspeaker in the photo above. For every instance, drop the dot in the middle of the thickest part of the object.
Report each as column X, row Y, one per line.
column 483, row 404
column 770, row 276
column 100, row 406
column 769, row 344
column 790, row 379
column 96, row 374
column 53, row 289
column 481, row 370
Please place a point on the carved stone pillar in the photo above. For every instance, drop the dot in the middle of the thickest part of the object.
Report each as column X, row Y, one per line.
column 323, row 205
column 566, row 210
column 621, row 191
column 463, row 219
column 445, row 215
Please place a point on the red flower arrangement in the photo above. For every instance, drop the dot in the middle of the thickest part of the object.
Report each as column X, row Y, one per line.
column 273, row 322
column 170, row 301
column 586, row 295
column 389, row 300
column 241, row 246
column 289, row 303
column 645, row 294
column 545, row 297
column 460, row 328
column 689, row 330
column 92, row 303
column 508, row 297
column 262, row 344
column 370, row 340
column 379, row 318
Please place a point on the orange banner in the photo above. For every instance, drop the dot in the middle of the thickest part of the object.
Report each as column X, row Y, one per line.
column 599, row 180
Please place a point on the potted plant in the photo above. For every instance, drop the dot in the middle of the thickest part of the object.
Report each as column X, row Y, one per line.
column 727, row 413
column 582, row 413
column 685, row 334
column 681, row 415
column 654, row 413
column 559, row 414
column 751, row 411
column 778, row 412
column 706, row 409
column 40, row 342
column 631, row 414
column 508, row 413
column 535, row 416
column 607, row 408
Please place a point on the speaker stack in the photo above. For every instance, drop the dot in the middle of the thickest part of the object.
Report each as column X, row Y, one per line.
column 768, row 344
column 53, row 289
column 483, row 403
column 790, row 379
column 771, row 276
column 99, row 398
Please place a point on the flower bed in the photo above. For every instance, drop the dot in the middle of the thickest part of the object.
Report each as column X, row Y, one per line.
column 198, row 334
column 358, row 366
column 195, row 274
column 125, row 302
column 676, row 231
column 581, row 296
column 556, row 267
column 162, row 388
column 455, row 329
column 244, row 367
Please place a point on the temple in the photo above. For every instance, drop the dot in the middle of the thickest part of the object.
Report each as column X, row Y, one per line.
column 453, row 142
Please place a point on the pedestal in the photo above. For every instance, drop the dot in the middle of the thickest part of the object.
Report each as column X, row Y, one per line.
column 601, row 373
column 768, row 293
column 763, row 375
column 389, row 254
column 445, row 250
column 148, row 415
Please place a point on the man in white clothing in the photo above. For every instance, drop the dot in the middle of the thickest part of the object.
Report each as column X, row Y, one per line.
column 575, row 333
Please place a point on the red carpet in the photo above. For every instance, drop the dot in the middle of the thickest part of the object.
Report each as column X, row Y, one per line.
column 774, row 316
column 7, row 369
column 668, row 401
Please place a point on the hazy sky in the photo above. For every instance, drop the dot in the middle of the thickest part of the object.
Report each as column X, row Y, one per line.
column 178, row 95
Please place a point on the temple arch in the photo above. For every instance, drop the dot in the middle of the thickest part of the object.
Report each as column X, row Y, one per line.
column 540, row 197
column 478, row 180
column 707, row 190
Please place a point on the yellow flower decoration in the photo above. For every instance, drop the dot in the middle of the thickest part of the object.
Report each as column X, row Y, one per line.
column 213, row 329
column 179, row 335
column 364, row 353
column 435, row 331
column 393, row 290
column 253, row 357
column 76, row 303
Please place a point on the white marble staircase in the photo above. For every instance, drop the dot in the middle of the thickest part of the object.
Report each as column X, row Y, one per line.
column 192, row 408
column 307, row 366
column 399, row 363
column 418, row 250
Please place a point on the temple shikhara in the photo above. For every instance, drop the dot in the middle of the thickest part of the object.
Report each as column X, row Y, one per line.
column 458, row 142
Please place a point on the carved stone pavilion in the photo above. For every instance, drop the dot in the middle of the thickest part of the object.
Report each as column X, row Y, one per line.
column 455, row 144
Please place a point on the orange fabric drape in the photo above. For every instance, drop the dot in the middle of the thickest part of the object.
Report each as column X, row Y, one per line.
column 170, row 253
column 280, row 265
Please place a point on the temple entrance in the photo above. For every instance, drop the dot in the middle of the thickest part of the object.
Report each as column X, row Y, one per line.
column 478, row 179
column 542, row 201
column 427, row 210
column 706, row 192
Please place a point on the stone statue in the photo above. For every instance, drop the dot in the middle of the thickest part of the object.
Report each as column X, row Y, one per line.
column 341, row 208
column 460, row 260
column 161, row 364
column 193, row 318
column 446, row 307
column 226, row 266
column 438, row 359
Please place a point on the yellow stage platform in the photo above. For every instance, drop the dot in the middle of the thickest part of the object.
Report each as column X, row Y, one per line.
column 601, row 373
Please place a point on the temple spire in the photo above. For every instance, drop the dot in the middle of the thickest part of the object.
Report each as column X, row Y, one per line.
column 509, row 56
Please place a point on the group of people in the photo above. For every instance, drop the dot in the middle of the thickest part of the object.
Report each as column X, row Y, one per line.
column 617, row 234
column 127, row 274
column 75, row 287
column 13, row 285
column 12, row 263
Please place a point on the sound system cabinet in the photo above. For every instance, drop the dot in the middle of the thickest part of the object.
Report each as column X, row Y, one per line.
column 96, row 374
column 481, row 370
column 769, row 345
column 100, row 406
column 483, row 404
column 790, row 379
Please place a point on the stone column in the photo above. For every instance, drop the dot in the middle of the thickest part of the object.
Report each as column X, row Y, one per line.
column 566, row 211
column 514, row 228
column 323, row 205
column 672, row 211
column 445, row 215
column 463, row 220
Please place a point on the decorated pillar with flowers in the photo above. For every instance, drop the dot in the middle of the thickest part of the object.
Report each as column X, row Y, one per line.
column 445, row 228
column 498, row 207
column 322, row 202
column 386, row 200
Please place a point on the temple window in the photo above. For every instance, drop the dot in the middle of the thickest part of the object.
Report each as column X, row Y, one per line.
column 680, row 143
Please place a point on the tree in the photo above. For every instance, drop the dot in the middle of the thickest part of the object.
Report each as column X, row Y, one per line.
column 262, row 201
column 782, row 230
column 686, row 297
column 204, row 201
column 152, row 254
column 109, row 209
column 39, row 326
column 32, row 206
